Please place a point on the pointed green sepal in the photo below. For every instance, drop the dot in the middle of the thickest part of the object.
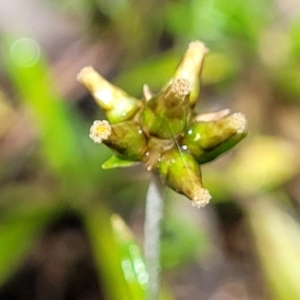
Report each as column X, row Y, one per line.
column 118, row 162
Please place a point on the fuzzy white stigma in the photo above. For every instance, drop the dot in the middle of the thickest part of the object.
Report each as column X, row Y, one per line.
column 238, row 122
column 100, row 130
column 201, row 197
column 180, row 87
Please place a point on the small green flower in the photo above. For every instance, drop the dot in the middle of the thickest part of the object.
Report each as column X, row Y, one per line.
column 181, row 172
column 162, row 131
column 208, row 139
column 126, row 138
column 167, row 114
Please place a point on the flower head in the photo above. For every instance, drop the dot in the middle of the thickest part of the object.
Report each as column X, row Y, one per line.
column 162, row 131
column 99, row 131
column 201, row 197
column 179, row 88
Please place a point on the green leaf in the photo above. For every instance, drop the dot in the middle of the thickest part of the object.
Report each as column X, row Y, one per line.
column 117, row 162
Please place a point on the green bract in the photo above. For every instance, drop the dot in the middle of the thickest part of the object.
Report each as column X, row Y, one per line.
column 162, row 131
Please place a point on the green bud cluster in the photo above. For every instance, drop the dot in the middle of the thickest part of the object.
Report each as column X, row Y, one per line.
column 162, row 131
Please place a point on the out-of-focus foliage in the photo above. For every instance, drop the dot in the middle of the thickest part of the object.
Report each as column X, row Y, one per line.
column 72, row 171
column 19, row 228
column 182, row 239
column 277, row 238
column 48, row 165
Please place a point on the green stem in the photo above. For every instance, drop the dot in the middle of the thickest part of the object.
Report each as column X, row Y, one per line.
column 153, row 216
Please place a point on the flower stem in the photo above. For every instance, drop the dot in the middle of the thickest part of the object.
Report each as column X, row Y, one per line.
column 153, row 216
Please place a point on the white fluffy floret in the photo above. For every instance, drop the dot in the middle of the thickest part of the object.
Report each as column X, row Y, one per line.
column 238, row 122
column 99, row 131
column 181, row 87
column 201, row 197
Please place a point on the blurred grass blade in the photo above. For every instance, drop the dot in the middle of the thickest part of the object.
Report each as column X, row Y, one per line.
column 118, row 258
column 262, row 163
column 18, row 230
column 107, row 255
column 26, row 68
column 277, row 239
column 132, row 262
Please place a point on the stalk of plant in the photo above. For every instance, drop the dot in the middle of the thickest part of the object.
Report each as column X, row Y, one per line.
column 153, row 216
column 164, row 133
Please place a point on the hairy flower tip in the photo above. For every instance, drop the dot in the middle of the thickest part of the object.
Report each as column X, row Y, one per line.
column 198, row 47
column 180, row 87
column 100, row 130
column 238, row 122
column 88, row 76
column 200, row 197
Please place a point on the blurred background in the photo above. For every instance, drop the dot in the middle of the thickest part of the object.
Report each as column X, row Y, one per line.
column 69, row 230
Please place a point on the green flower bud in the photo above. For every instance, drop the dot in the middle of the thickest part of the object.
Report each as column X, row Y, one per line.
column 190, row 67
column 207, row 140
column 126, row 138
column 166, row 114
column 208, row 156
column 115, row 102
column 181, row 172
